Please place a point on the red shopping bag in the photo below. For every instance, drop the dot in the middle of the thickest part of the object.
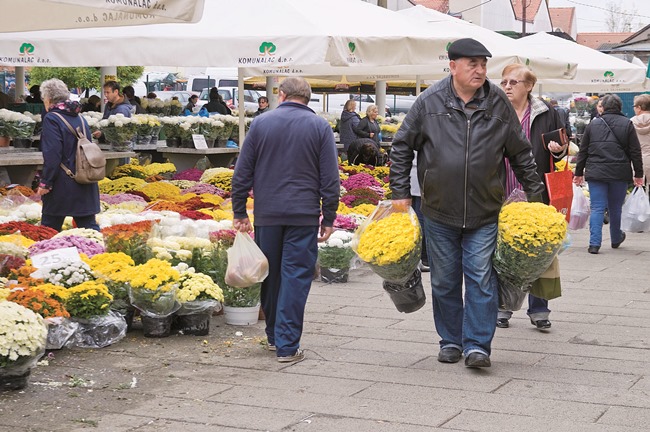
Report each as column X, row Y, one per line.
column 560, row 189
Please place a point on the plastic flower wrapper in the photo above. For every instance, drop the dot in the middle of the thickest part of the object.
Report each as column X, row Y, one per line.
column 152, row 288
column 16, row 125
column 23, row 334
column 98, row 331
column 197, row 292
column 336, row 252
column 529, row 237
column 390, row 241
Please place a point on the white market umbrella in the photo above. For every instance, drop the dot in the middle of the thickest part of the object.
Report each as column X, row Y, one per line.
column 504, row 50
column 27, row 15
column 597, row 72
column 288, row 34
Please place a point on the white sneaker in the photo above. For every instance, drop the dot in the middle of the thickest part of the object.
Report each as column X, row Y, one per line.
column 298, row 356
column 423, row 267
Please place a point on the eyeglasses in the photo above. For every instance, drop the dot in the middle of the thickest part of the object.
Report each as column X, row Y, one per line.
column 511, row 83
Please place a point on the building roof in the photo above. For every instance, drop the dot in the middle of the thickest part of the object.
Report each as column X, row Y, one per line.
column 532, row 7
column 644, row 29
column 596, row 40
column 562, row 18
column 439, row 5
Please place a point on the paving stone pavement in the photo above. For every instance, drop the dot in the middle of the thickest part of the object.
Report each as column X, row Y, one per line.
column 370, row 368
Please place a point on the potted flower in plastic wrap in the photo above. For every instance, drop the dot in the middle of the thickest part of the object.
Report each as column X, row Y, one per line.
column 390, row 242
column 22, row 342
column 334, row 257
column 241, row 305
column 16, row 126
column 152, row 289
column 119, row 132
column 199, row 296
column 530, row 235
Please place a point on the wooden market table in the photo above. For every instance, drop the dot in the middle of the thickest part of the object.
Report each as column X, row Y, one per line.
column 186, row 158
column 22, row 164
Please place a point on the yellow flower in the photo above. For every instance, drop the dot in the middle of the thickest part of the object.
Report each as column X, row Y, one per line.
column 378, row 247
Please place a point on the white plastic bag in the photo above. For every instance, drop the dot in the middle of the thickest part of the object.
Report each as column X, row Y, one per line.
column 247, row 264
column 636, row 212
column 580, row 210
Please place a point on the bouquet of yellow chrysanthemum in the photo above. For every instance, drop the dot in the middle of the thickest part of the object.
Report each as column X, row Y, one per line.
column 153, row 287
column 529, row 237
column 390, row 242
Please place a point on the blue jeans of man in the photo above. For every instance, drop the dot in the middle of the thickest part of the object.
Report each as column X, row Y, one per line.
column 56, row 222
column 610, row 196
column 459, row 254
column 292, row 253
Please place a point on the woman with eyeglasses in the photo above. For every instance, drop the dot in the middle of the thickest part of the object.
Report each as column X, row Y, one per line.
column 536, row 117
column 641, row 122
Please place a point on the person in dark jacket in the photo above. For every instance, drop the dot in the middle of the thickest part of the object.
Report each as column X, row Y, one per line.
column 116, row 103
column 609, row 145
column 368, row 126
column 216, row 103
column 129, row 92
column 349, row 120
column 263, row 106
column 462, row 129
column 191, row 103
column 564, row 115
column 61, row 195
column 290, row 162
column 93, row 104
column 536, row 117
column 34, row 95
column 364, row 151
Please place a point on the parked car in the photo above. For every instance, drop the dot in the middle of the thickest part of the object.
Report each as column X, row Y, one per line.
column 229, row 95
column 183, row 96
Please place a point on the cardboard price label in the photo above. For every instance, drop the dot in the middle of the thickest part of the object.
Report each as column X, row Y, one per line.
column 199, row 141
column 56, row 257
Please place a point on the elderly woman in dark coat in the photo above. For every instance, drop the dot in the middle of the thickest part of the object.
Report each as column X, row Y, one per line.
column 61, row 195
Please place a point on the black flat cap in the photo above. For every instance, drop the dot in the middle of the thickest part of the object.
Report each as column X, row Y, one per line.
column 467, row 47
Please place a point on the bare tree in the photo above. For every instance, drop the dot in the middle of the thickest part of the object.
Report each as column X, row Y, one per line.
column 620, row 20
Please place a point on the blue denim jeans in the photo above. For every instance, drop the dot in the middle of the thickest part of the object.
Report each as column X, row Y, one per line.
column 416, row 203
column 56, row 222
column 459, row 254
column 610, row 196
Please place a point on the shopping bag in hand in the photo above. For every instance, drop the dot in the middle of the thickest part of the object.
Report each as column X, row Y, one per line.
column 247, row 264
column 636, row 212
column 560, row 191
column 580, row 210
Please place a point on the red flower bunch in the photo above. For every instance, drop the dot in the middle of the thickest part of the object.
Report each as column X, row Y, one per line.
column 36, row 233
column 196, row 203
column 192, row 174
column 39, row 302
column 162, row 205
column 9, row 263
column 191, row 214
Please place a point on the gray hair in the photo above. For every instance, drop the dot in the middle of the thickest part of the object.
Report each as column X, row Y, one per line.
column 55, row 90
column 296, row 88
column 611, row 102
column 370, row 108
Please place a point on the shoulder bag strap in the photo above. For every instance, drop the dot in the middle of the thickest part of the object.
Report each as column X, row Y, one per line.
column 65, row 168
column 616, row 138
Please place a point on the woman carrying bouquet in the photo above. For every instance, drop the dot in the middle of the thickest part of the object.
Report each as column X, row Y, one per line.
column 536, row 117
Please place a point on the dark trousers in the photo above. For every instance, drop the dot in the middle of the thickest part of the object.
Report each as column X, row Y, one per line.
column 292, row 253
column 416, row 203
column 56, row 222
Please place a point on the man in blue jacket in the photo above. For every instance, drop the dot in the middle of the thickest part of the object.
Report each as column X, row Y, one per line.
column 462, row 129
column 289, row 160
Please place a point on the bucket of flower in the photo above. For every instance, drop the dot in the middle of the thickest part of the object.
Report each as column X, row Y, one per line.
column 152, row 289
column 199, row 296
column 394, row 257
column 334, row 257
column 23, row 334
column 530, row 235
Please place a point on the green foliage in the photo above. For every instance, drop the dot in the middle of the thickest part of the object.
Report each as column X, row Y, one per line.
column 84, row 77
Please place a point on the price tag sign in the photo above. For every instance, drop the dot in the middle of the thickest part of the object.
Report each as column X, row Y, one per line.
column 199, row 141
column 56, row 257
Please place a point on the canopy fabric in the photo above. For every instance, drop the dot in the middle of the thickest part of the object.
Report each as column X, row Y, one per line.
column 504, row 50
column 289, row 34
column 597, row 72
column 69, row 14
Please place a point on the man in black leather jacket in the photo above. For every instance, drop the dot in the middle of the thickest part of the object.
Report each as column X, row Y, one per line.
column 462, row 128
